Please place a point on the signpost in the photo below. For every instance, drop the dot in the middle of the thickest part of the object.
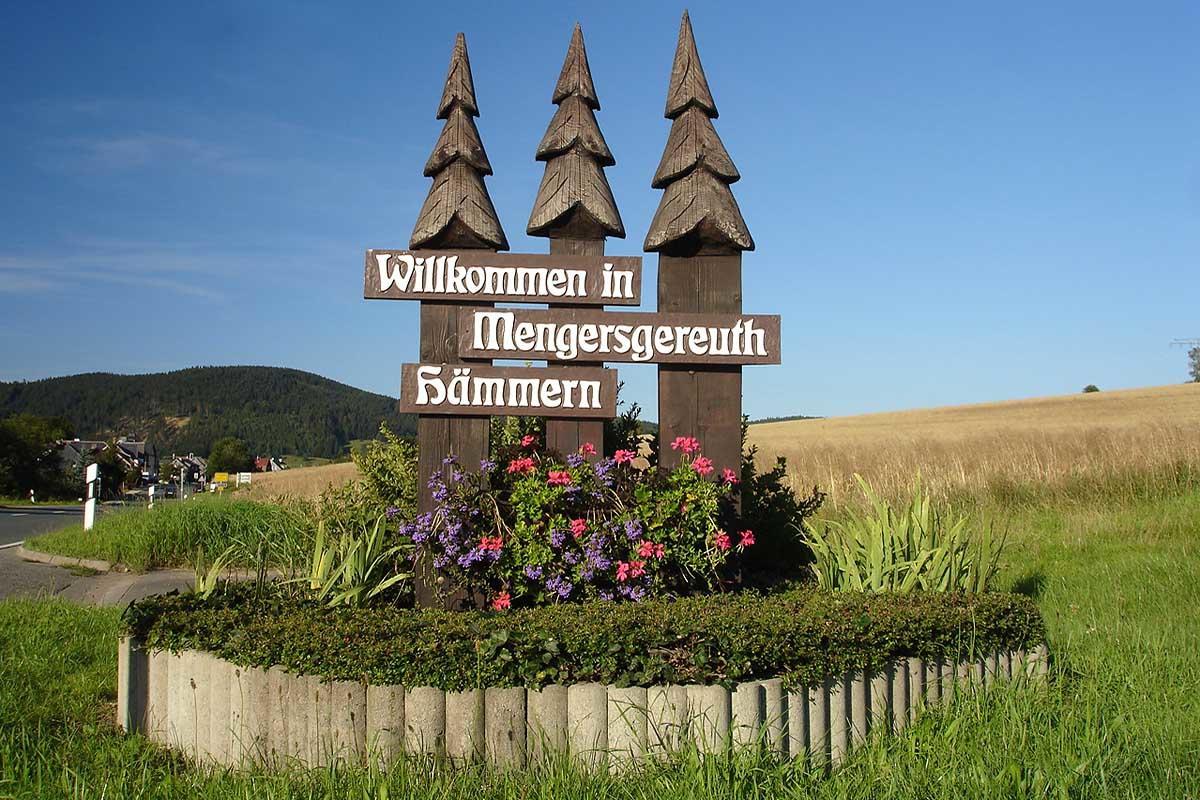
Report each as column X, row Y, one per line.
column 92, row 478
column 699, row 337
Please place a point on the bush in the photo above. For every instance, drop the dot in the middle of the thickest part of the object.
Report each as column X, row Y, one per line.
column 802, row 635
column 539, row 530
column 890, row 550
column 388, row 466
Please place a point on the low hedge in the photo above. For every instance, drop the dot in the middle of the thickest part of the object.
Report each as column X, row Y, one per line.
column 802, row 634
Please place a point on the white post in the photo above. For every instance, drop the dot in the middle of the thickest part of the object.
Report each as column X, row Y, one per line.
column 31, row 500
column 92, row 476
column 152, row 495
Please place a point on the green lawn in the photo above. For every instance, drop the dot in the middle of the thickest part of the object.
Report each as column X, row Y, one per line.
column 1119, row 585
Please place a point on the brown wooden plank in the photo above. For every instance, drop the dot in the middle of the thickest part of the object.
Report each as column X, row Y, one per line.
column 439, row 280
column 705, row 402
column 657, row 338
column 468, row 389
column 569, row 435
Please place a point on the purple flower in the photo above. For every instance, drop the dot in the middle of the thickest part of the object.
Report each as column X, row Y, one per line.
column 450, row 460
column 575, row 460
column 486, row 465
column 559, row 586
column 440, row 562
column 571, row 557
column 633, row 529
column 392, row 512
column 557, row 539
column 533, row 572
column 605, row 594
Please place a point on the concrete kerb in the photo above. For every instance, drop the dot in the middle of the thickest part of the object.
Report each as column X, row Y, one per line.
column 67, row 561
column 214, row 711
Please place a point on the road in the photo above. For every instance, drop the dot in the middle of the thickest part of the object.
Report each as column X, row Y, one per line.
column 19, row 522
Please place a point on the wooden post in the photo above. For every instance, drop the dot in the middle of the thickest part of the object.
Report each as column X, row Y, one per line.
column 699, row 234
column 458, row 213
column 574, row 207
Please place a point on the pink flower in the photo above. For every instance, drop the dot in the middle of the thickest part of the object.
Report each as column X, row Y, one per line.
column 578, row 527
column 491, row 543
column 528, row 440
column 623, row 456
column 688, row 444
column 746, row 538
column 522, row 466
column 637, row 568
column 729, row 476
column 703, row 465
column 721, row 540
column 659, row 551
column 622, row 571
column 558, row 478
column 503, row 601
column 645, row 549
column 588, row 449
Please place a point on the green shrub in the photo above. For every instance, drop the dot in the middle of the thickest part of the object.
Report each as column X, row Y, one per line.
column 388, row 466
column 803, row 634
column 900, row 550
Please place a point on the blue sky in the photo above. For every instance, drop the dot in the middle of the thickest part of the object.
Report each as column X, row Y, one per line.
column 951, row 203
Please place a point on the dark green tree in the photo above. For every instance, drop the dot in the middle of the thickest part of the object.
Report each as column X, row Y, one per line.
column 1194, row 364
column 1091, row 387
column 228, row 454
column 29, row 455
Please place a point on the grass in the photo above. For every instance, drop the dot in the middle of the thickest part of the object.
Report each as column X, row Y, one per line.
column 170, row 534
column 1118, row 438
column 1117, row 578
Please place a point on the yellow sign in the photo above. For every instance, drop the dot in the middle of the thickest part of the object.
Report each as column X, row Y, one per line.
column 221, row 477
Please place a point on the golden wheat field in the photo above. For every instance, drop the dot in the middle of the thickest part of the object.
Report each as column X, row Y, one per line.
column 973, row 447
column 303, row 482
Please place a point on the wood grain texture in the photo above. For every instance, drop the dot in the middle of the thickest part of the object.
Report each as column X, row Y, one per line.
column 568, row 435
column 697, row 213
column 568, row 259
column 706, row 401
column 458, row 211
column 688, row 85
column 574, row 192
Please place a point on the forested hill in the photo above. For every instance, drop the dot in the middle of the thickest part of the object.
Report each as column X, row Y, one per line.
column 273, row 410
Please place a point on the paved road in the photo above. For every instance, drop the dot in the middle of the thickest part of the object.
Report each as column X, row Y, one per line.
column 21, row 578
column 19, row 522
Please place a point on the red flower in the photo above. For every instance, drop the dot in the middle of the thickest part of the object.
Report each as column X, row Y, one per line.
column 522, row 466
column 528, row 440
column 622, row 571
column 747, row 538
column 491, row 543
column 688, row 444
column 630, row 569
column 721, row 540
column 588, row 449
column 659, row 551
column 502, row 602
column 645, row 549
column 729, row 476
column 558, row 478
column 623, row 456
column 578, row 527
column 703, row 465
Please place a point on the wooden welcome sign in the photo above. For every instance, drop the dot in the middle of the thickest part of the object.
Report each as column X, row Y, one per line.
column 699, row 336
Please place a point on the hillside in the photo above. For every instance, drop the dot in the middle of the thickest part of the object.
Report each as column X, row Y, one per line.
column 993, row 445
column 273, row 410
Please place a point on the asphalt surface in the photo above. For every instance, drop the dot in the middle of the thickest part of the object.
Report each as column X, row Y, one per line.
column 21, row 578
column 17, row 523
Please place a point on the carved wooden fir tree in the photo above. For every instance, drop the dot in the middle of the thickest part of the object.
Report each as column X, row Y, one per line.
column 458, row 214
column 574, row 207
column 699, row 234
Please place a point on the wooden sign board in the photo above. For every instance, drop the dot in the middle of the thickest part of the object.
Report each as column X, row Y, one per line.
column 480, row 276
column 477, row 390
column 626, row 336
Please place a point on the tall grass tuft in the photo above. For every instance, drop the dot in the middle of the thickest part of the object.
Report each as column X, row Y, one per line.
column 915, row 546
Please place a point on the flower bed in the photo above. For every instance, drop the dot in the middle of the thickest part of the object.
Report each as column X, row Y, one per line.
column 802, row 636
